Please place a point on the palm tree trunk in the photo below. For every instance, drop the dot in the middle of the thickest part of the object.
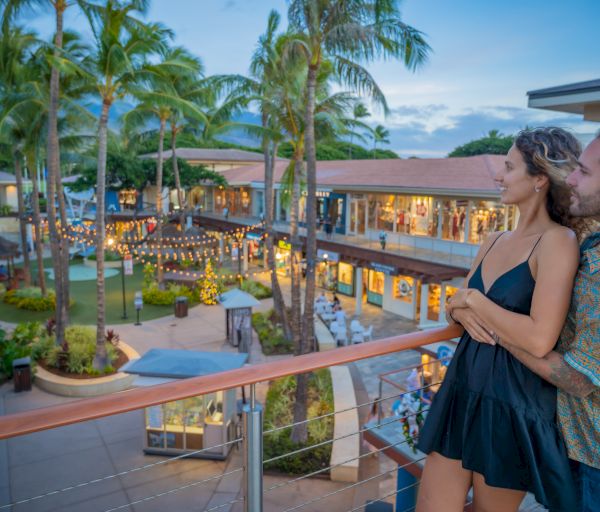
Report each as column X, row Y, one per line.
column 278, row 302
column 100, row 358
column 159, row 212
column 35, row 201
column 308, row 324
column 299, row 432
column 180, row 200
column 22, row 220
column 53, row 158
column 64, row 249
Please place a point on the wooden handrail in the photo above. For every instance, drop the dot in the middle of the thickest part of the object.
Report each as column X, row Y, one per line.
column 92, row 408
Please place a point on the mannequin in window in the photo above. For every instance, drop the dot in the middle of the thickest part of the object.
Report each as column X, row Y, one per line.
column 455, row 225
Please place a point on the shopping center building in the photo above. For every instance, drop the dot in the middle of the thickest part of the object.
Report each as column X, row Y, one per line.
column 434, row 212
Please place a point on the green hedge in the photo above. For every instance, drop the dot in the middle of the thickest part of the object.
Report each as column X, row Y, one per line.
column 31, row 299
column 17, row 345
column 271, row 337
column 258, row 290
column 279, row 412
column 82, row 349
column 155, row 296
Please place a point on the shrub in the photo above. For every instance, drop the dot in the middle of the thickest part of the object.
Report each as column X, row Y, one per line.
column 18, row 345
column 108, row 256
column 149, row 275
column 2, row 289
column 279, row 412
column 259, row 290
column 41, row 348
column 5, row 210
column 31, row 299
column 180, row 290
column 157, row 297
column 82, row 348
column 271, row 337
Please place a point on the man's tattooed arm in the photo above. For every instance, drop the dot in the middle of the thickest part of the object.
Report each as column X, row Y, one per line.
column 555, row 370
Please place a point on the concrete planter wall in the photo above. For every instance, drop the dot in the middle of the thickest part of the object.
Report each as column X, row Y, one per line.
column 82, row 388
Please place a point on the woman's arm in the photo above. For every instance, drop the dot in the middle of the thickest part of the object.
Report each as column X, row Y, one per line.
column 536, row 333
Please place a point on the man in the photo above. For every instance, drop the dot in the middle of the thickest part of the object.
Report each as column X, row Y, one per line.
column 574, row 367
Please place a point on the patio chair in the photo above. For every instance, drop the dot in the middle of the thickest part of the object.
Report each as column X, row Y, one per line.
column 334, row 327
column 341, row 337
column 355, row 326
column 368, row 333
column 358, row 337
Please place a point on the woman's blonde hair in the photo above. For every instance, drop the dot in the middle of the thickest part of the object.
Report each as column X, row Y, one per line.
column 552, row 152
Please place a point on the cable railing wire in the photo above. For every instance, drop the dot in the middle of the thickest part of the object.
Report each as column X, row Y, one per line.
column 275, row 429
column 351, row 486
column 115, row 475
column 329, row 441
column 217, row 507
column 314, row 473
column 174, row 490
column 390, row 494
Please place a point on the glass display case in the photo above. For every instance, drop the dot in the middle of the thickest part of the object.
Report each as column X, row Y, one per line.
column 189, row 425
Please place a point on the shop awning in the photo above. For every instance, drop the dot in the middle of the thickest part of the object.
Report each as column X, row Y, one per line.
column 182, row 364
column 236, row 299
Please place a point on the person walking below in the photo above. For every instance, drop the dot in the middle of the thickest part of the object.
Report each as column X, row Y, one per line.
column 382, row 239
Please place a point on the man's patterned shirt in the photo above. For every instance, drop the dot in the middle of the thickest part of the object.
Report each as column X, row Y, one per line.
column 579, row 418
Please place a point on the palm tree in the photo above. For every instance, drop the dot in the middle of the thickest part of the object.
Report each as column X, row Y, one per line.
column 380, row 134
column 58, row 243
column 14, row 47
column 359, row 112
column 122, row 44
column 160, row 100
column 345, row 33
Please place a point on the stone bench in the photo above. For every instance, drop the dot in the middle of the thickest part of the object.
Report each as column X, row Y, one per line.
column 345, row 424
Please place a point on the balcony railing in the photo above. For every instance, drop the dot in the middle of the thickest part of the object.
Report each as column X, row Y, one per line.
column 254, row 496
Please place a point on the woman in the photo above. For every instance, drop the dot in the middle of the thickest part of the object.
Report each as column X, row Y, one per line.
column 492, row 424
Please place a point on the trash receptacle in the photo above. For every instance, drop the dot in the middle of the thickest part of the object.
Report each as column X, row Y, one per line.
column 181, row 307
column 22, row 374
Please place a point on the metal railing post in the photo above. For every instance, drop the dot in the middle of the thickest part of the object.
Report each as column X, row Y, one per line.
column 253, row 454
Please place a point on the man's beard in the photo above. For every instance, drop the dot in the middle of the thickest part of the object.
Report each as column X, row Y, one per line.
column 586, row 206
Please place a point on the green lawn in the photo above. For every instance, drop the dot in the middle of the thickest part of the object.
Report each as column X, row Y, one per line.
column 84, row 294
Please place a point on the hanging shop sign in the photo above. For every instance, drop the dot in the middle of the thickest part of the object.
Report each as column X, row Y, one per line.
column 282, row 244
column 380, row 267
column 404, row 288
column 253, row 236
column 327, row 255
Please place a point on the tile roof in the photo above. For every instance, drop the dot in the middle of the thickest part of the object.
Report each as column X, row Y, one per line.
column 469, row 174
column 6, row 177
column 212, row 155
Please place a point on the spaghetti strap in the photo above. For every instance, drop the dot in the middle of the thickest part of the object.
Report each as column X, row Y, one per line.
column 533, row 249
column 490, row 247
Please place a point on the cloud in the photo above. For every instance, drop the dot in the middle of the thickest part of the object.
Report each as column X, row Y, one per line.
column 434, row 130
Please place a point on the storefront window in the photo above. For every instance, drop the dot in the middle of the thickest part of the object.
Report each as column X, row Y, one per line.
column 128, row 199
column 421, row 221
column 486, row 217
column 403, row 288
column 454, row 213
column 198, row 198
column 375, row 287
column 403, row 215
column 326, row 274
column 219, row 201
column 433, row 304
column 373, row 210
column 345, row 278
column 385, row 213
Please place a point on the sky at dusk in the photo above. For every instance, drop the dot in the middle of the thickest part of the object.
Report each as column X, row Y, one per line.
column 486, row 56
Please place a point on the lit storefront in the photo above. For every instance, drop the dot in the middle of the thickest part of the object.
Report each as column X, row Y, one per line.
column 345, row 283
column 237, row 200
column 283, row 253
column 256, row 249
column 327, row 269
column 488, row 217
column 128, row 199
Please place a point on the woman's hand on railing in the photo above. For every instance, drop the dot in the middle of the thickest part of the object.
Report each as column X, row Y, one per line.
column 473, row 325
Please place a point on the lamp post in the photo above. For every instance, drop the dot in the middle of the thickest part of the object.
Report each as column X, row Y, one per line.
column 110, row 243
column 239, row 236
column 138, row 302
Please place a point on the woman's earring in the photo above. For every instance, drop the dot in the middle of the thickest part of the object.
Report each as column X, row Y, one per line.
column 537, row 189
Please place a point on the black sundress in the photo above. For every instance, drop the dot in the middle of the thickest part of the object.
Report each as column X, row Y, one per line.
column 497, row 416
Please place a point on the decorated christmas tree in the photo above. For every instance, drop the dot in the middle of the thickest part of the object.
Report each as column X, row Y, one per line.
column 207, row 287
